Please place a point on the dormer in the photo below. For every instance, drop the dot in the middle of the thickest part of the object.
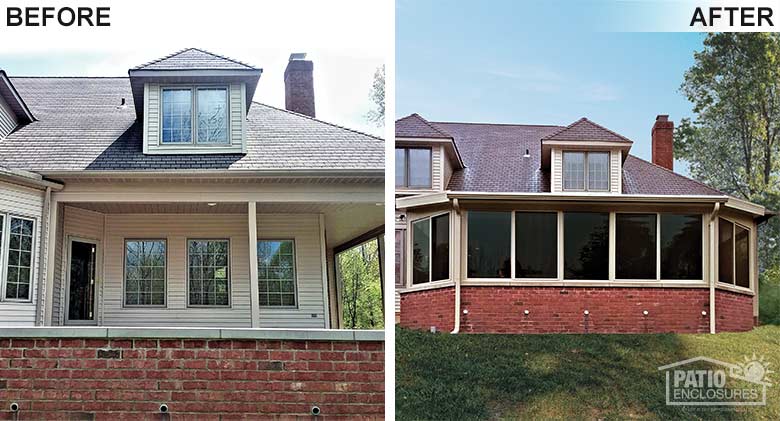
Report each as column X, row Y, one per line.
column 585, row 157
column 193, row 102
column 425, row 156
column 13, row 111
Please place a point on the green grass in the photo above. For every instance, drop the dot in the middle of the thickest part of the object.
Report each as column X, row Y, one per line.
column 448, row 377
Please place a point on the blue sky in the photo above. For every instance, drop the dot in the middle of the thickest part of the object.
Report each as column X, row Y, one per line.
column 538, row 62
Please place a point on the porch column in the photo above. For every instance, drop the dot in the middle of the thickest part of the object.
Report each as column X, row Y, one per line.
column 50, row 250
column 254, row 292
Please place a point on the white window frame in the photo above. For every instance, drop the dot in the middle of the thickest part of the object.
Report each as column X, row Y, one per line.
column 734, row 255
column 194, row 116
column 229, row 274
column 585, row 170
column 124, row 273
column 4, row 249
column 295, row 275
column 410, row 258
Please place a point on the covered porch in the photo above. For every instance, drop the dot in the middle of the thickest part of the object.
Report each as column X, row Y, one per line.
column 203, row 254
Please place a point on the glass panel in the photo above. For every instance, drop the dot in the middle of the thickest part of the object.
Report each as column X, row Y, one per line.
column 144, row 272
column 19, row 259
column 586, row 245
column 725, row 251
column 421, row 243
column 742, row 256
column 400, row 246
column 420, row 168
column 177, row 115
column 635, row 245
column 574, row 171
column 598, row 171
column 681, row 247
column 400, row 167
column 275, row 273
column 81, row 289
column 536, row 245
column 440, row 263
column 489, row 244
column 212, row 115
column 209, row 273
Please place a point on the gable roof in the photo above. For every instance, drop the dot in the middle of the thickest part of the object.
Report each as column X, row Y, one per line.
column 586, row 130
column 193, row 58
column 496, row 160
column 11, row 96
column 415, row 126
column 81, row 127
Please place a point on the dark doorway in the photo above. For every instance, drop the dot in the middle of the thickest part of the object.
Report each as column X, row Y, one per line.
column 81, row 291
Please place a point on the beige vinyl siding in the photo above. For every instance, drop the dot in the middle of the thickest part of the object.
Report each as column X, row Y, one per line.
column 26, row 202
column 176, row 229
column 437, row 170
column 153, row 116
column 447, row 171
column 557, row 171
column 8, row 119
column 615, row 172
column 305, row 230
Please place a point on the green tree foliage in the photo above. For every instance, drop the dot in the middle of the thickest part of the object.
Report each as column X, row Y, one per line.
column 734, row 142
column 361, row 287
column 377, row 96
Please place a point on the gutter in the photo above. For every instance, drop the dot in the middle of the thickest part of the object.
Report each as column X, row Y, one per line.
column 28, row 179
column 713, row 218
column 292, row 173
column 456, row 326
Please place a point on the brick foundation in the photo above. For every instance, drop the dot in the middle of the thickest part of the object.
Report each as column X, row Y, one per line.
column 197, row 379
column 561, row 310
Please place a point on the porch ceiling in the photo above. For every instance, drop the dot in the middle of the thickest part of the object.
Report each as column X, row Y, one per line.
column 343, row 221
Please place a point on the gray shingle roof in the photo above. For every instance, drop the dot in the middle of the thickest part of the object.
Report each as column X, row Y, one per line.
column 495, row 161
column 81, row 127
column 193, row 58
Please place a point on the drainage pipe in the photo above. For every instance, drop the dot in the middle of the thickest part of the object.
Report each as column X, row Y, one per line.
column 713, row 232
column 456, row 228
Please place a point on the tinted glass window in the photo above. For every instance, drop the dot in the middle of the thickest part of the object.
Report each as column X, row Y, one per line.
column 440, row 263
column 574, row 171
column 598, row 171
column 635, row 246
column 419, row 167
column 145, row 272
column 725, row 251
column 400, row 246
column 177, row 115
column 421, row 243
column 681, row 247
column 212, row 115
column 586, row 245
column 489, row 244
column 742, row 256
column 209, row 283
column 276, row 272
column 400, row 167
column 536, row 245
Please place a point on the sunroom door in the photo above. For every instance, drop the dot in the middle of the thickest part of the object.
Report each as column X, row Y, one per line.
column 81, row 298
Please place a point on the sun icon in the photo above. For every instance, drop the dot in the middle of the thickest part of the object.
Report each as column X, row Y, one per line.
column 756, row 369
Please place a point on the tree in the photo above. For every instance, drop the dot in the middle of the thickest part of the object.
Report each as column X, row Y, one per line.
column 361, row 287
column 377, row 96
column 734, row 142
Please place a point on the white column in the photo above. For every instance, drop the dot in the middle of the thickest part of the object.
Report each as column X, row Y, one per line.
column 50, row 250
column 253, row 287
column 325, row 290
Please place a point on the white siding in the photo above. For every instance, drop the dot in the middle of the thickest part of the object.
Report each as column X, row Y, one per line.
column 58, row 282
column 304, row 229
column 615, row 172
column 27, row 202
column 152, row 122
column 447, row 171
column 8, row 120
column 557, row 171
column 437, row 170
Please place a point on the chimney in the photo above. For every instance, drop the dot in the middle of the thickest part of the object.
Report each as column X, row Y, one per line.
column 299, row 85
column 663, row 152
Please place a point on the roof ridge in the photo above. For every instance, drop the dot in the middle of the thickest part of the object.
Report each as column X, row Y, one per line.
column 678, row 174
column 496, row 124
column 141, row 66
column 586, row 120
column 319, row 121
column 427, row 123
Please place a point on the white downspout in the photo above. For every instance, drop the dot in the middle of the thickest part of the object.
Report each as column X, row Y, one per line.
column 713, row 233
column 456, row 252
column 43, row 259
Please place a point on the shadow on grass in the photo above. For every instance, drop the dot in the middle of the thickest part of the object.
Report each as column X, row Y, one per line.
column 440, row 376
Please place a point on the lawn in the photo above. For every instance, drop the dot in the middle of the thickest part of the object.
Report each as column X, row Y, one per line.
column 447, row 377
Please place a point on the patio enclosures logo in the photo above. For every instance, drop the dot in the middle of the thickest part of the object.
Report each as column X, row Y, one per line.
column 703, row 381
column 63, row 16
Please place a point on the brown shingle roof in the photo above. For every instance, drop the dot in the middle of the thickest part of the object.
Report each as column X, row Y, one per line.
column 584, row 129
column 416, row 126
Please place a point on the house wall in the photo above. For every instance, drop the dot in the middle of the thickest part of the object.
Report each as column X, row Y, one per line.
column 153, row 122
column 8, row 119
column 27, row 202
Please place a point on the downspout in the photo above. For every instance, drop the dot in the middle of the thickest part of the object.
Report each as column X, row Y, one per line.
column 43, row 257
column 713, row 231
column 456, row 328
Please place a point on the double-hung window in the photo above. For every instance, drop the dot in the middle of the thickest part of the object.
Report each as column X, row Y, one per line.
column 16, row 257
column 733, row 254
column 431, row 249
column 413, row 168
column 195, row 115
column 585, row 171
column 276, row 275
column 209, row 272
column 145, row 274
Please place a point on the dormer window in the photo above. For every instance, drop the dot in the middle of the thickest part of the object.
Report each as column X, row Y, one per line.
column 210, row 126
column 585, row 171
column 413, row 168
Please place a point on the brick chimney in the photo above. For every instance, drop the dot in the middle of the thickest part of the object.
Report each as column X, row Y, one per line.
column 663, row 152
column 299, row 85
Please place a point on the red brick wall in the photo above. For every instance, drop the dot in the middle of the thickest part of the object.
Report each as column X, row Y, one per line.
column 423, row 309
column 561, row 310
column 254, row 379
column 733, row 312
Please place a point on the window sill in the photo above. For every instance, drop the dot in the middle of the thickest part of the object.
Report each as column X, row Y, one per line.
column 734, row 288
column 574, row 284
column 190, row 149
column 428, row 285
